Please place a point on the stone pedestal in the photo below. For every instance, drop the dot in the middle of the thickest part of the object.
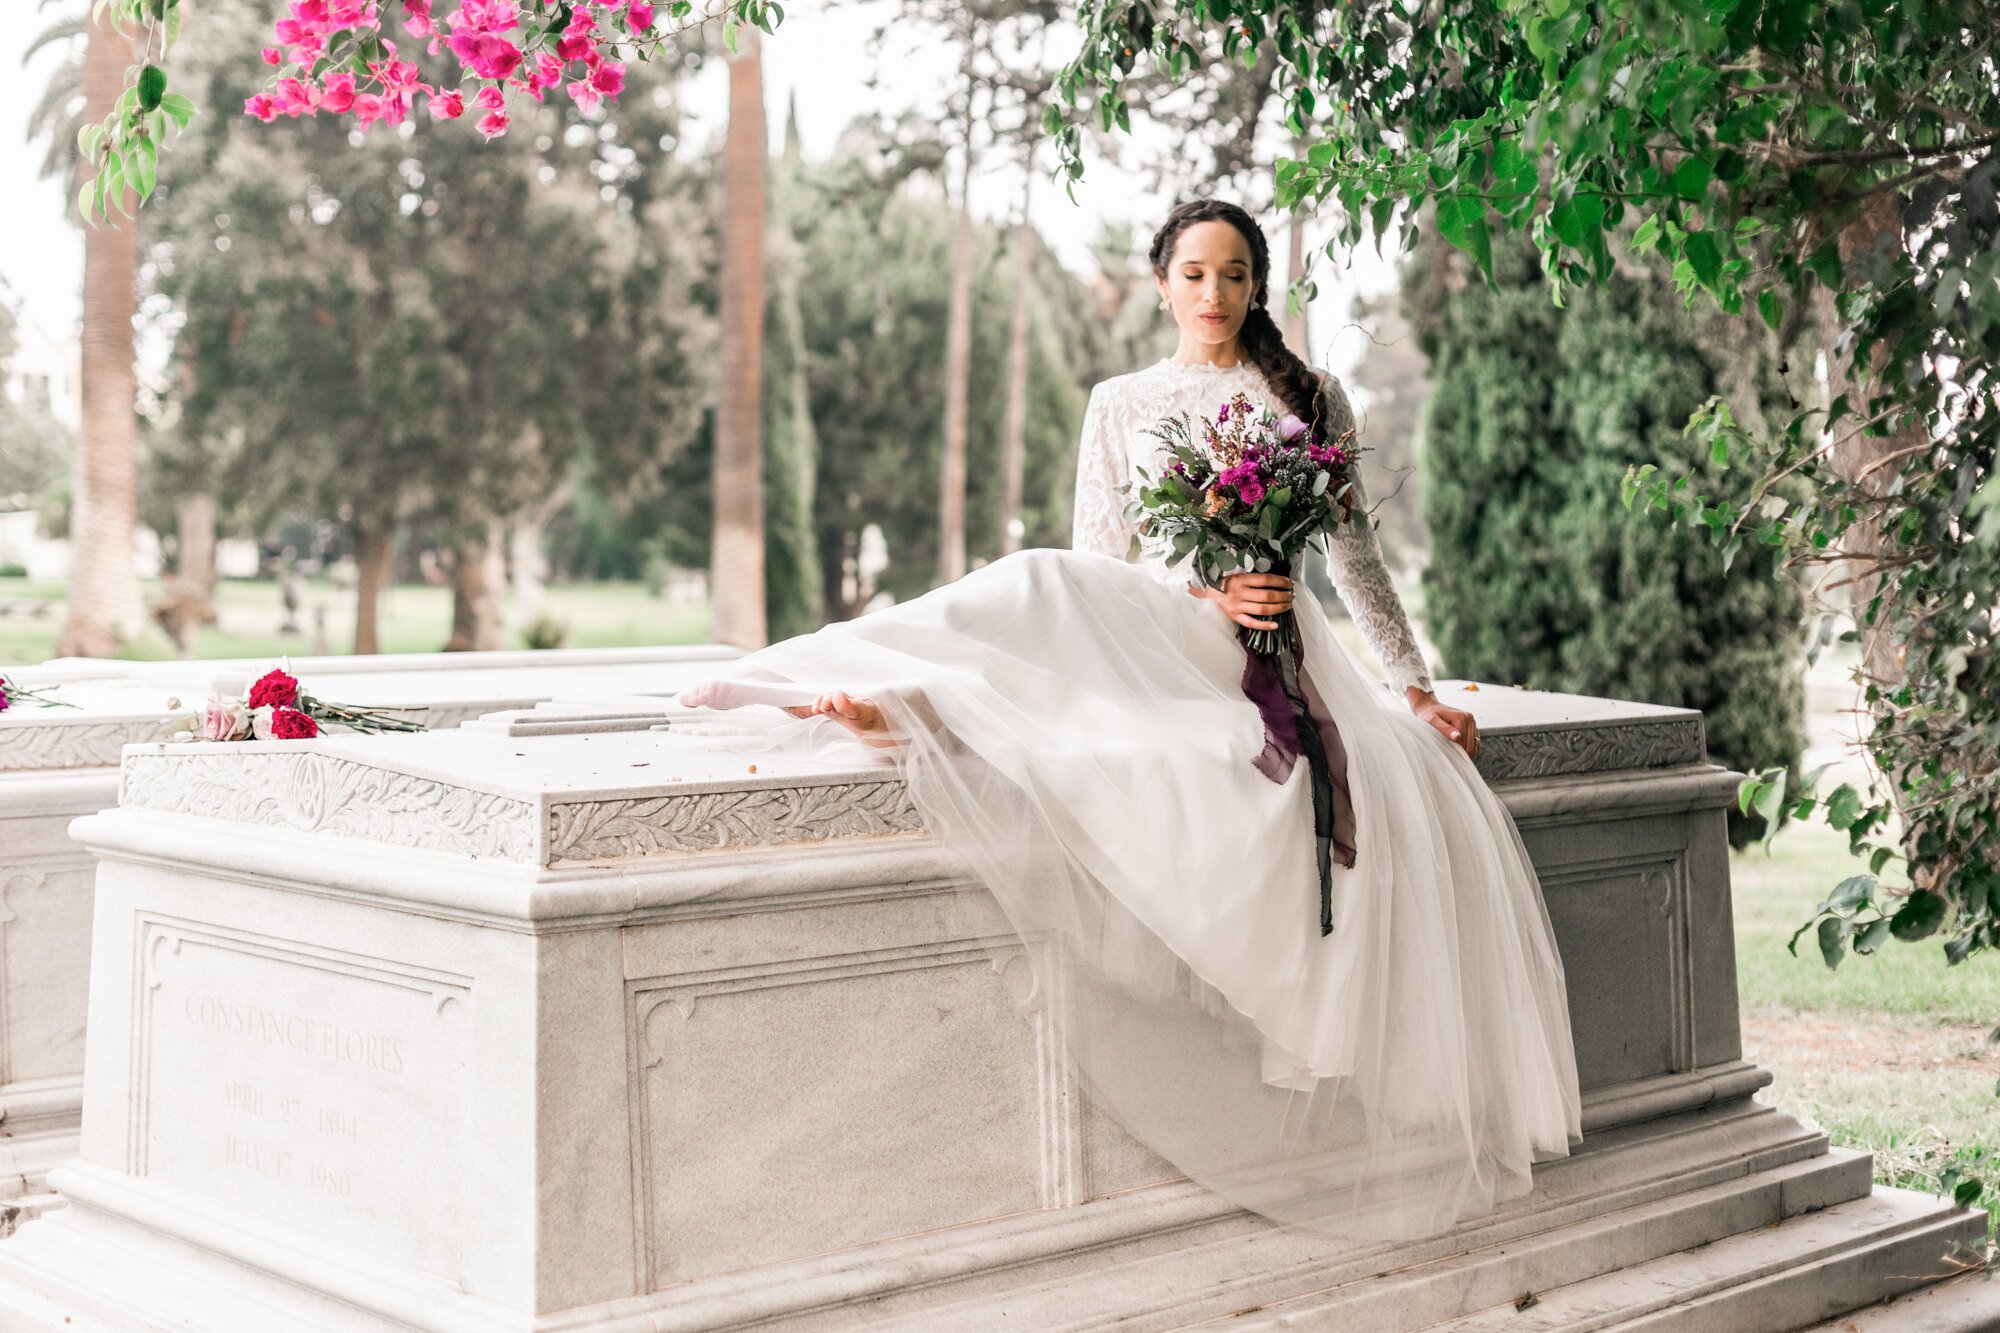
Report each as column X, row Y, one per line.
column 560, row 1021
column 59, row 763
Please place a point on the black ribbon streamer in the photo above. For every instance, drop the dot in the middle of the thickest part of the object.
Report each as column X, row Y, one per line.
column 1297, row 722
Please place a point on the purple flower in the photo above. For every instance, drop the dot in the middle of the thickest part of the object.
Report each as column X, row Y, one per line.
column 1290, row 427
column 1250, row 490
column 3, row 694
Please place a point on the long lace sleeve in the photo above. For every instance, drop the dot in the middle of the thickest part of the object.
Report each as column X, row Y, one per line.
column 1102, row 473
column 1354, row 562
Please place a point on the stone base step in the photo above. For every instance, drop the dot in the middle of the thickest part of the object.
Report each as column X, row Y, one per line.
column 1969, row 1303
column 1588, row 1216
column 1783, row 1276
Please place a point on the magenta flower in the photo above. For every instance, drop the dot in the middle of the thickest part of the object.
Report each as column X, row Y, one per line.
column 493, row 124
column 449, row 105
column 261, row 105
column 488, row 56
column 491, row 98
column 296, row 98
column 1250, row 490
column 486, row 16
column 609, row 78
column 272, row 56
column 639, row 17
column 547, row 73
column 339, row 93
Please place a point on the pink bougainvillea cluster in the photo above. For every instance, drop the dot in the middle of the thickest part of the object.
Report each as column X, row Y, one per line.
column 337, row 58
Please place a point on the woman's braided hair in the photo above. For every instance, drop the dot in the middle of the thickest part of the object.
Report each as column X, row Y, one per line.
column 1260, row 339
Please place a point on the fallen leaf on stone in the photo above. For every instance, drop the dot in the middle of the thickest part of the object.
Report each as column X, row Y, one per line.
column 1526, row 1299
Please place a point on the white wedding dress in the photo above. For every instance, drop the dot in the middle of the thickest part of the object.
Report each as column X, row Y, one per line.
column 1074, row 726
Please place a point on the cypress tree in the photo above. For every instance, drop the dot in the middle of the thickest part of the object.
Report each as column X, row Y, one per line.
column 793, row 585
column 1539, row 575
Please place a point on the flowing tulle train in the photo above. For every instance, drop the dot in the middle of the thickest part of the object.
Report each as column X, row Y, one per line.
column 1076, row 731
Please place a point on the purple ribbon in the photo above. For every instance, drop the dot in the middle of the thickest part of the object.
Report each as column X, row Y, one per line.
column 1296, row 721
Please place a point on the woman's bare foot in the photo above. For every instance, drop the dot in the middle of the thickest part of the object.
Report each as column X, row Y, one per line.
column 863, row 717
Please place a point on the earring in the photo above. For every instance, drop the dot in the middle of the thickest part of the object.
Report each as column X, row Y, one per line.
column 1165, row 304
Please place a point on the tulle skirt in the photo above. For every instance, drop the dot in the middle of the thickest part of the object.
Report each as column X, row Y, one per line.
column 1076, row 731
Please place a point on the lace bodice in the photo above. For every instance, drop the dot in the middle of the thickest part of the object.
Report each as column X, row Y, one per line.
column 1115, row 440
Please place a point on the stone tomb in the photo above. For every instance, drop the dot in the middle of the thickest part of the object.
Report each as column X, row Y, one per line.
column 59, row 763
column 562, row 1021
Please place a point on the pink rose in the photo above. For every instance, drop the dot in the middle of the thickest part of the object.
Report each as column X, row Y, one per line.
column 224, row 720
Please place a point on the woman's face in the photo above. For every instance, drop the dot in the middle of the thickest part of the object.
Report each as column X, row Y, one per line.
column 1208, row 284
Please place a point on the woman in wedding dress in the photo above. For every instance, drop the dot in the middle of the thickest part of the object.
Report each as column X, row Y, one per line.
column 1075, row 726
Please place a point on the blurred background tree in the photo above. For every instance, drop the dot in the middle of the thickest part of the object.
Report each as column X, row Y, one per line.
column 1534, row 578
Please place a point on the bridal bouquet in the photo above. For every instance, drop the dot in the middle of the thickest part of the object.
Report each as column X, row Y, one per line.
column 276, row 708
column 1249, row 490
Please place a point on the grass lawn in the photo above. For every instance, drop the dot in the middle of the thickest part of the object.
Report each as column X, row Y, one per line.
column 1886, row 1053
column 415, row 618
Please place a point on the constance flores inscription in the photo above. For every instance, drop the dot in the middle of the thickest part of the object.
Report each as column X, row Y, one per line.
column 311, row 1085
column 280, row 1132
column 327, row 1039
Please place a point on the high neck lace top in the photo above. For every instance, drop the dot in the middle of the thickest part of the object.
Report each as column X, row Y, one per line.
column 1115, row 442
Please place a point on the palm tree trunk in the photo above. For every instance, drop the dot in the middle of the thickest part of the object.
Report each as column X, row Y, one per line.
column 957, row 378
column 373, row 551
column 105, row 604
column 736, row 562
column 1014, row 423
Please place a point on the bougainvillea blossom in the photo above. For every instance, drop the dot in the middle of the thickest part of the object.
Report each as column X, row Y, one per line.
column 502, row 47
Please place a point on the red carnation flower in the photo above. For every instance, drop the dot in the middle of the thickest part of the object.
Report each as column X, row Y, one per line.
column 289, row 724
column 275, row 690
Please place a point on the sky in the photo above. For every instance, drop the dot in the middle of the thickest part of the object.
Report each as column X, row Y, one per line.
column 819, row 55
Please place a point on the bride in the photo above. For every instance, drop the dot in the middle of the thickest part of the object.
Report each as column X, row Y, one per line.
column 1075, row 726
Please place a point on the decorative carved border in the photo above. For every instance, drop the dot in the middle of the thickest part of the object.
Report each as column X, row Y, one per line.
column 708, row 821
column 318, row 793
column 315, row 792
column 1591, row 748
column 59, row 745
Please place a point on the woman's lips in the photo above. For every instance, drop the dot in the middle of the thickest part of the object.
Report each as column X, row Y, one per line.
column 1213, row 319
